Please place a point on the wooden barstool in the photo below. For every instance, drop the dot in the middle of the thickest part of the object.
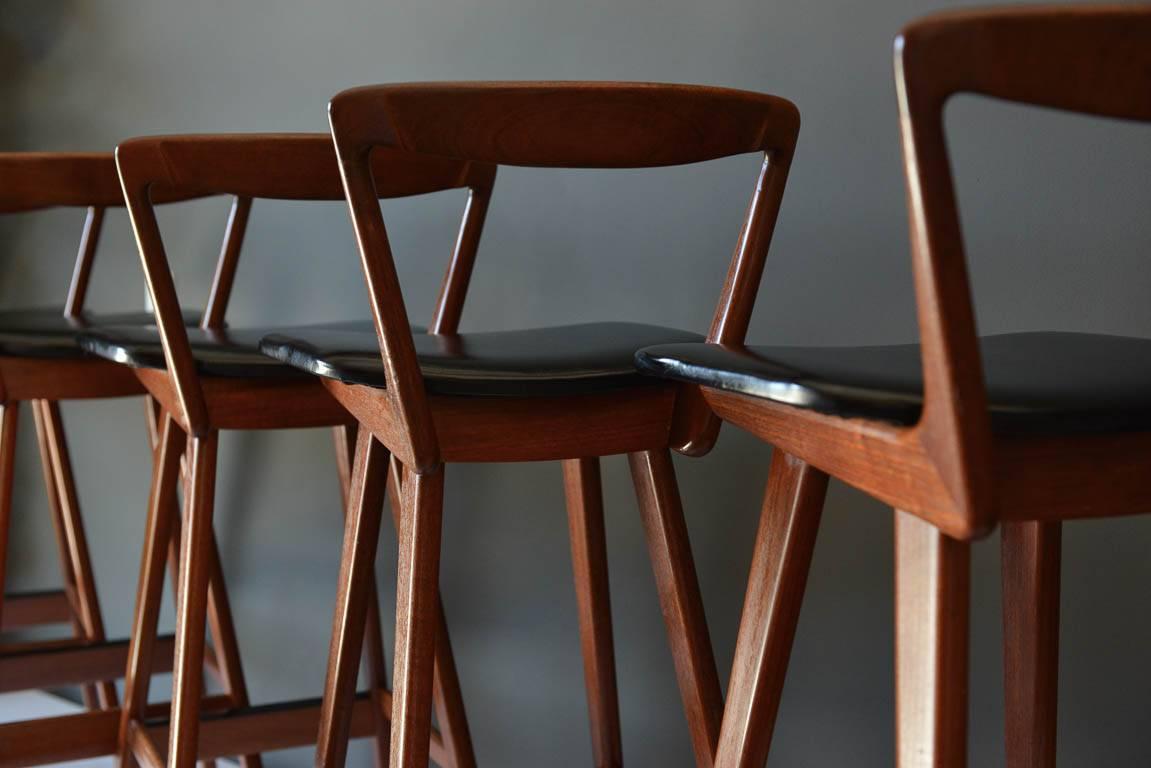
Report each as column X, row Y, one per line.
column 958, row 433
column 41, row 363
column 566, row 393
column 211, row 378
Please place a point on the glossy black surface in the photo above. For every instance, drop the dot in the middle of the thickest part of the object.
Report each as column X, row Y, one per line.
column 1045, row 383
column 233, row 353
column 44, row 331
column 570, row 359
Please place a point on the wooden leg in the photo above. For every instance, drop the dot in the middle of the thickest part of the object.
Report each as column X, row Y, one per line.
column 192, row 604
column 373, row 653
column 1031, row 561
column 674, row 567
column 71, row 527
column 932, row 584
column 9, row 419
column 417, row 615
column 589, row 565
column 221, row 627
column 448, row 695
column 162, row 510
column 357, row 579
column 784, row 544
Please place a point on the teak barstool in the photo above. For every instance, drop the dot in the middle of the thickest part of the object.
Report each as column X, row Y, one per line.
column 41, row 362
column 212, row 378
column 956, row 433
column 566, row 393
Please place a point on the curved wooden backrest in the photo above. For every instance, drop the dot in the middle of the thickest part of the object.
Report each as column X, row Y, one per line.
column 565, row 124
column 289, row 166
column 32, row 181
column 1090, row 59
column 555, row 124
column 270, row 166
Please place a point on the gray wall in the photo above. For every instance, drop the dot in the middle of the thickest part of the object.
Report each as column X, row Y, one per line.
column 1056, row 209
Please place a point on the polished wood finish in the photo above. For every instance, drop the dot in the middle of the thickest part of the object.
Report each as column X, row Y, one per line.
column 784, row 545
column 34, row 181
column 1031, row 553
column 951, row 478
column 587, row 125
column 417, row 611
column 670, row 552
column 932, row 585
column 357, row 577
column 79, row 581
column 589, row 564
column 277, row 166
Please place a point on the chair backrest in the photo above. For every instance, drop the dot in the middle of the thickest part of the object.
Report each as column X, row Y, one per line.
column 1089, row 59
column 550, row 124
column 270, row 166
column 33, row 181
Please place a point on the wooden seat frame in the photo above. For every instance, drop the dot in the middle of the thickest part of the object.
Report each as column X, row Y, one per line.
column 584, row 125
column 196, row 407
column 949, row 478
column 34, row 182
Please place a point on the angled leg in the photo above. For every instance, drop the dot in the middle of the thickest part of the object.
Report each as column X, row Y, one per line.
column 9, row 419
column 356, row 587
column 417, row 618
column 373, row 653
column 192, row 602
column 784, row 544
column 225, row 647
column 448, row 696
column 674, row 567
column 589, row 565
column 50, row 427
column 1031, row 560
column 932, row 584
column 163, row 507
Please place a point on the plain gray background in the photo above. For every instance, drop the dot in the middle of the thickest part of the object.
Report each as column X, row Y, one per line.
column 1058, row 233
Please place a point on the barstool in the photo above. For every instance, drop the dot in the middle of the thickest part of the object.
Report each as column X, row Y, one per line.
column 42, row 363
column 957, row 433
column 566, row 393
column 213, row 377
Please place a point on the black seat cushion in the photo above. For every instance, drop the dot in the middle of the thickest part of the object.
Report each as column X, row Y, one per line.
column 44, row 332
column 1037, row 383
column 232, row 353
column 570, row 359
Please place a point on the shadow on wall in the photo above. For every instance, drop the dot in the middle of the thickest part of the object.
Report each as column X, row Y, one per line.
column 27, row 33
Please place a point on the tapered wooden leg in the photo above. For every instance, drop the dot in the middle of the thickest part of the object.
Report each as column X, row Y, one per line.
column 674, row 567
column 221, row 628
column 9, row 419
column 792, row 506
column 162, row 508
column 589, row 565
column 373, row 653
column 1031, row 561
column 75, row 543
column 192, row 604
column 932, row 584
column 356, row 586
column 417, row 616
column 448, row 695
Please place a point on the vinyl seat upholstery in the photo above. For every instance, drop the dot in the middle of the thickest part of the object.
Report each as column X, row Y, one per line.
column 560, row 360
column 1038, row 383
column 228, row 353
column 44, row 332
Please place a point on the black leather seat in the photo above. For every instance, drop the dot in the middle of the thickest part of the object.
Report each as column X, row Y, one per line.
column 44, row 332
column 572, row 359
column 1037, row 383
column 233, row 353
